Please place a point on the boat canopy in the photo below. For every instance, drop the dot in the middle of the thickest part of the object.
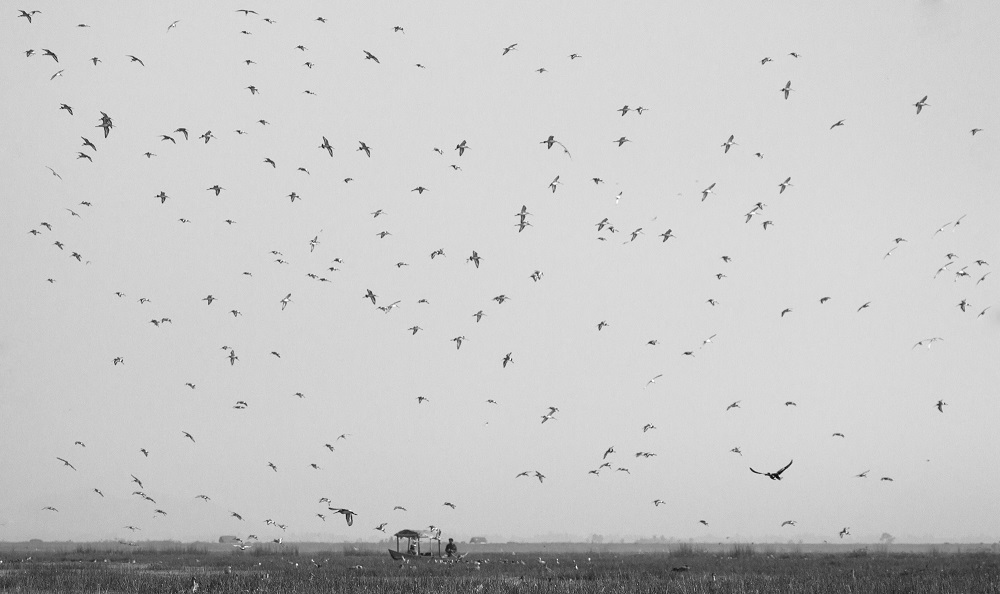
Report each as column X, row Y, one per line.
column 417, row 534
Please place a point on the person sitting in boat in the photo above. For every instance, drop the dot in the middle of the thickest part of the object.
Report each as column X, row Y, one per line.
column 451, row 548
column 413, row 547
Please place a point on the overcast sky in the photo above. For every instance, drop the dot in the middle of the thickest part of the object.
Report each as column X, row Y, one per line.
column 839, row 388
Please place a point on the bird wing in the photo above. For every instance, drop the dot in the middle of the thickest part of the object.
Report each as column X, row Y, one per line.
column 785, row 468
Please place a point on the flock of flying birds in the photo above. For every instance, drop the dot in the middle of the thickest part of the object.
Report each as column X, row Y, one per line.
column 95, row 130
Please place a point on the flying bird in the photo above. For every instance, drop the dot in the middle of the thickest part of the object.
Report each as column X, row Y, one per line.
column 921, row 104
column 729, row 143
column 326, row 146
column 348, row 514
column 774, row 476
column 370, row 56
column 926, row 342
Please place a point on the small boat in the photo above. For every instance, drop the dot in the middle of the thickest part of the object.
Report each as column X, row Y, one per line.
column 418, row 545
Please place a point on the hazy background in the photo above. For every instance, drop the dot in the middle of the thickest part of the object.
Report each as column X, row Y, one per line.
column 696, row 66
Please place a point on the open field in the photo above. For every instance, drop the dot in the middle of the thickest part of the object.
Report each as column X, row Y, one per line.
column 738, row 568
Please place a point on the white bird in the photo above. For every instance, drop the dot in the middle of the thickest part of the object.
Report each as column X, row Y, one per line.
column 729, row 143
column 926, row 342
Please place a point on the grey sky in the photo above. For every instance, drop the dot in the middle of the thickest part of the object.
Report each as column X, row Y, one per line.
column 886, row 173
